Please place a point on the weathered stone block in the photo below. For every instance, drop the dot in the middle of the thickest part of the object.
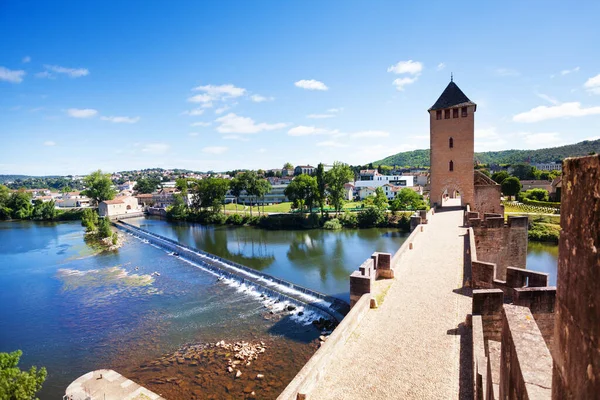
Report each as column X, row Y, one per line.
column 487, row 301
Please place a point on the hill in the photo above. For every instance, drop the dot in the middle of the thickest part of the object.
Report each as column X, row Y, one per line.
column 420, row 158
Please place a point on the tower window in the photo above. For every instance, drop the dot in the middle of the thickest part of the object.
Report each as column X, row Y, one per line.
column 451, row 166
column 446, row 114
column 451, row 143
column 455, row 113
column 464, row 111
column 438, row 114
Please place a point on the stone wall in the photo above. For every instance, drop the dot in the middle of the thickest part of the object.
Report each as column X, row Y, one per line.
column 577, row 329
column 499, row 243
column 487, row 199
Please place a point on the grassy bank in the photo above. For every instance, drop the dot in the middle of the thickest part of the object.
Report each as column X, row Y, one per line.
column 542, row 227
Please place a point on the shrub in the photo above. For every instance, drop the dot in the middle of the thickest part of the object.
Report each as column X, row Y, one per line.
column 349, row 219
column 214, row 218
column 544, row 232
column 549, row 204
column 333, row 224
column 404, row 223
column 535, row 194
column 104, row 230
column 235, row 219
column 370, row 217
column 115, row 238
column 89, row 219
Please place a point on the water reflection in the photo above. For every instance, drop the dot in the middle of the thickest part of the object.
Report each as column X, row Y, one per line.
column 543, row 257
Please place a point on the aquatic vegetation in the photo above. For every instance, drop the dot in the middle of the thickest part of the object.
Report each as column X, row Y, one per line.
column 94, row 278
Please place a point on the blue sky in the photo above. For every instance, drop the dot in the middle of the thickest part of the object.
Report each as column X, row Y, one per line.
column 252, row 84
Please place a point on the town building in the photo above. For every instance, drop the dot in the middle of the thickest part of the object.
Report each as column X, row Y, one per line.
column 73, row 199
column 304, row 169
column 548, row 166
column 536, row 184
column 452, row 138
column 118, row 207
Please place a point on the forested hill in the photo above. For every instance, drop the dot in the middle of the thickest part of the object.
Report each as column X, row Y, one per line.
column 420, row 158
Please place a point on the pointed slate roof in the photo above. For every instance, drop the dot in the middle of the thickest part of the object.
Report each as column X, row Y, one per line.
column 452, row 96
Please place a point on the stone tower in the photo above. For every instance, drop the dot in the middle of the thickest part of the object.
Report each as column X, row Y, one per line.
column 452, row 138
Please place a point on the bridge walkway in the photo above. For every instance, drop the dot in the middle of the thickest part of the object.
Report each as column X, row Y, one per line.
column 409, row 348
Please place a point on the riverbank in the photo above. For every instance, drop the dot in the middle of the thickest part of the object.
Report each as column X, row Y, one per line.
column 543, row 228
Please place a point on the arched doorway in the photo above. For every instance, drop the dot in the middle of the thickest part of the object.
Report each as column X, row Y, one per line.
column 450, row 196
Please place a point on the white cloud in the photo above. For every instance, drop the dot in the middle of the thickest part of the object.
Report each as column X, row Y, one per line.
column 406, row 67
column 370, row 134
column 221, row 110
column 569, row 71
column 320, row 116
column 232, row 123
column 592, row 85
column 331, row 143
column 207, row 105
column 200, row 124
column 236, row 137
column 302, row 130
column 222, row 91
column 311, row 84
column 543, row 139
column 155, row 148
column 401, row 82
column 193, row 134
column 214, row 149
column 549, row 99
column 564, row 110
column 82, row 112
column 44, row 74
column 506, row 72
column 49, row 143
column 121, row 120
column 71, row 72
column 201, row 98
column 26, row 59
column 194, row 112
column 259, row 99
column 441, row 66
column 12, row 76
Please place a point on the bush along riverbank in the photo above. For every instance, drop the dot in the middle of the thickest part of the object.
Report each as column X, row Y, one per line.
column 370, row 217
column 99, row 232
column 543, row 228
column 18, row 205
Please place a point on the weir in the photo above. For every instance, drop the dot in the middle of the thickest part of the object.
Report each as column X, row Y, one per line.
column 277, row 288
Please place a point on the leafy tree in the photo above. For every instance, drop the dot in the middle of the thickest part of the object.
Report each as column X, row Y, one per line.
column 210, row 194
column 511, row 186
column 16, row 384
column 44, row 211
column 20, row 203
column 178, row 210
column 236, row 187
column 380, row 199
column 536, row 194
column 336, row 178
column 262, row 187
column 66, row 189
column 288, row 165
column 523, row 171
column 104, row 229
column 321, row 187
column 500, row 176
column 5, row 210
column 408, row 199
column 99, row 187
column 146, row 185
column 302, row 191
column 89, row 219
column 248, row 183
column 182, row 184
column 370, row 217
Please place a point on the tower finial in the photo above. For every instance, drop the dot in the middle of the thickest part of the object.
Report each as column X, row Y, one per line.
column 451, row 77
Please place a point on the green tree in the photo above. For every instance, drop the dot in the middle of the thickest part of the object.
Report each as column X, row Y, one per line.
column 209, row 194
column 248, row 182
column 146, row 185
column 5, row 210
column 89, row 219
column 182, row 184
column 511, row 186
column 66, row 189
column 408, row 199
column 523, row 171
column 321, row 187
column 236, row 187
column 261, row 188
column 44, row 211
column 288, row 165
column 335, row 179
column 104, row 229
column 20, row 204
column 302, row 191
column 380, row 199
column 536, row 194
column 16, row 384
column 178, row 210
column 99, row 187
column 500, row 176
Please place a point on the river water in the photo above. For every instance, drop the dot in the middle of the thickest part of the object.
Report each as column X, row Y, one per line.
column 73, row 310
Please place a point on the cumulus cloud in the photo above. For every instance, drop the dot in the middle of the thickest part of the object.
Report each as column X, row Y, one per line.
column 545, row 139
column 12, row 76
column 549, row 99
column 370, row 134
column 331, row 143
column 401, row 82
column 569, row 71
column 70, row 72
column 406, row 67
column 214, row 149
column 121, row 120
column 26, row 59
column 236, row 137
column 592, row 85
column 221, row 110
column 441, row 66
column 232, row 123
column 259, row 99
column 201, row 98
column 221, row 91
column 49, row 143
column 82, row 112
column 564, row 110
column 311, row 84
column 200, row 124
column 302, row 130
column 155, row 148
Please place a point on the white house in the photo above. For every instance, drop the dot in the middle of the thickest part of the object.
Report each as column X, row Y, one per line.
column 365, row 192
column 74, row 199
column 119, row 206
